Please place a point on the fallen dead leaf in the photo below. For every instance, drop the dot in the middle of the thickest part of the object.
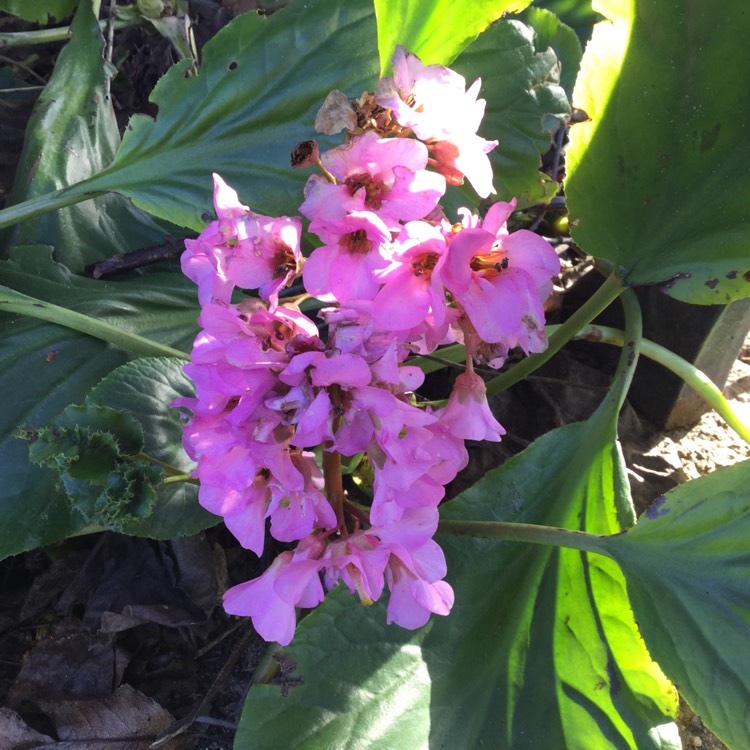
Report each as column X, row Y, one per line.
column 126, row 715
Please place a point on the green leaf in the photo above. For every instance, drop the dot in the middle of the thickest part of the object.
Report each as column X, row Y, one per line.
column 47, row 367
column 540, row 650
column 261, row 83
column 145, row 388
column 246, row 127
column 577, row 14
column 551, row 32
column 95, row 451
column 435, row 30
column 688, row 572
column 39, row 11
column 73, row 134
column 524, row 104
column 654, row 180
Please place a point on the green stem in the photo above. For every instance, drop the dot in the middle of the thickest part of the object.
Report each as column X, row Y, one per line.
column 47, row 36
column 526, row 532
column 631, row 347
column 15, row 302
column 689, row 373
column 609, row 291
column 448, row 354
column 43, row 204
column 177, row 478
column 173, row 471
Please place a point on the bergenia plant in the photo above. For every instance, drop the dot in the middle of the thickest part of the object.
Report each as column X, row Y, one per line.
column 370, row 263
column 273, row 386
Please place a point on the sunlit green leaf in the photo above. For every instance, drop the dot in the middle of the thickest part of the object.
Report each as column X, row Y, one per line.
column 688, row 571
column 262, row 80
column 39, row 11
column 655, row 181
column 435, row 30
column 256, row 98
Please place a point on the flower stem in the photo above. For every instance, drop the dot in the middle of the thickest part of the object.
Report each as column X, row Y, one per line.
column 61, row 34
column 609, row 291
column 16, row 302
column 177, row 478
column 335, row 485
column 689, row 373
column 526, row 532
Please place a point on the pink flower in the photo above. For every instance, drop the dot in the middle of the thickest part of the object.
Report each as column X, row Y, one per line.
column 358, row 561
column 467, row 414
column 291, row 581
column 345, row 267
column 415, row 275
column 242, row 249
column 433, row 102
column 386, row 176
column 416, row 591
column 294, row 515
column 501, row 280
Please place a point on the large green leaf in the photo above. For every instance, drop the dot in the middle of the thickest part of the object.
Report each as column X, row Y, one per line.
column 39, row 11
column 71, row 135
column 47, row 367
column 688, row 570
column 261, row 83
column 656, row 177
column 540, row 650
column 436, row 30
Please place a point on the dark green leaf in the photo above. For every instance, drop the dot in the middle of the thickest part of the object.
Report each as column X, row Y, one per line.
column 71, row 135
column 655, row 181
column 540, row 651
column 39, row 11
column 524, row 104
column 256, row 98
column 551, row 32
column 688, row 571
column 95, row 450
column 46, row 368
column 435, row 30
column 577, row 14
column 146, row 388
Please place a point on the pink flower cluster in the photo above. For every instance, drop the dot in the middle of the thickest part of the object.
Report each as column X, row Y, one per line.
column 399, row 279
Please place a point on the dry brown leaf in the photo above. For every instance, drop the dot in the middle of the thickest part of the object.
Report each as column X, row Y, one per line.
column 126, row 714
column 16, row 734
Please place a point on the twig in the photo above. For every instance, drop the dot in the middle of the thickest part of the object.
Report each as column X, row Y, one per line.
column 216, row 641
column 144, row 256
column 181, row 726
column 216, row 722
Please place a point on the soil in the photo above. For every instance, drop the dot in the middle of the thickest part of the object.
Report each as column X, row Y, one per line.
column 107, row 631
